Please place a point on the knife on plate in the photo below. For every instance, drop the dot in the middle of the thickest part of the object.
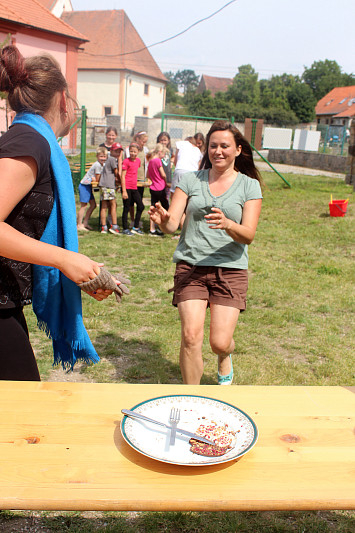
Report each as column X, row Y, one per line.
column 133, row 414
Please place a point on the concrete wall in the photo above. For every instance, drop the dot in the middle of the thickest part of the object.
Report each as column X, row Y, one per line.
column 301, row 158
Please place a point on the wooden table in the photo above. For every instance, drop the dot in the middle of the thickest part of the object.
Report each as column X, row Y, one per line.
column 61, row 449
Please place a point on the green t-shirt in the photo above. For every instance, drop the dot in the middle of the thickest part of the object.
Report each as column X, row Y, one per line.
column 200, row 245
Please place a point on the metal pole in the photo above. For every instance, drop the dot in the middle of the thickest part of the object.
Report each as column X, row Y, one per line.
column 270, row 165
column 83, row 143
column 343, row 140
column 162, row 122
column 253, row 130
column 325, row 139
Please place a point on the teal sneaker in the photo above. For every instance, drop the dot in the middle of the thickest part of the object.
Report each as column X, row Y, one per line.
column 226, row 380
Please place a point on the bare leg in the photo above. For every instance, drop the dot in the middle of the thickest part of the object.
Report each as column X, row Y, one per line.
column 103, row 212
column 92, row 206
column 192, row 316
column 113, row 207
column 223, row 322
column 81, row 215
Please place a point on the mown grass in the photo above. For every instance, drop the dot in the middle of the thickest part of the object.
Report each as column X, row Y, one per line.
column 298, row 329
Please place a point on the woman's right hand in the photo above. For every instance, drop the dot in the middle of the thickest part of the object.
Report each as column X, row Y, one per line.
column 125, row 196
column 158, row 214
column 78, row 267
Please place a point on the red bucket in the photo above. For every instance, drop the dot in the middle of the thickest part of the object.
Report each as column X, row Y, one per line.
column 337, row 208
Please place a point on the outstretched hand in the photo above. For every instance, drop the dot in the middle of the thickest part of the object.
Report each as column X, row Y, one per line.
column 158, row 214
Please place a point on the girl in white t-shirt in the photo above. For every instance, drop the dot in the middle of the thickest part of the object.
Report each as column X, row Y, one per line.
column 187, row 159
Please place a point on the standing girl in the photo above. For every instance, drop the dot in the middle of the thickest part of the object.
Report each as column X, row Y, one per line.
column 140, row 139
column 130, row 193
column 164, row 139
column 156, row 174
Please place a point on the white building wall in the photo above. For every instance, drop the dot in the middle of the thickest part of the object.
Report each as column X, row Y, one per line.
column 97, row 89
column 137, row 103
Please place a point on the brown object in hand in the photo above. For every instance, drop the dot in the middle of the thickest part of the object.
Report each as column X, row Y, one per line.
column 104, row 281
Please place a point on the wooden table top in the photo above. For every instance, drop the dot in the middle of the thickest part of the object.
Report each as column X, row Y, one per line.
column 61, row 449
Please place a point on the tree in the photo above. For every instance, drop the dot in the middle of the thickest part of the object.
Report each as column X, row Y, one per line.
column 187, row 79
column 245, row 87
column 302, row 102
column 323, row 76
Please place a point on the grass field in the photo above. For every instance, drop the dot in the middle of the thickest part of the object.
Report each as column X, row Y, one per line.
column 298, row 329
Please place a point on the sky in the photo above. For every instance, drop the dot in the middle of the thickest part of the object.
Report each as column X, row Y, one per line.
column 274, row 36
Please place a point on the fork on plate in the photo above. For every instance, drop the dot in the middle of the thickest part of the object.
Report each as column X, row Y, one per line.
column 174, row 419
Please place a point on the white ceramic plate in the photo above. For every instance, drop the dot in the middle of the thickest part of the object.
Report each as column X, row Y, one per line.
column 153, row 441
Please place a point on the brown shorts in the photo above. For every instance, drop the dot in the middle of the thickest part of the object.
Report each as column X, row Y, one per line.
column 217, row 285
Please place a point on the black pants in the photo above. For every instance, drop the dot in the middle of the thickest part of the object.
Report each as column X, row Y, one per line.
column 159, row 196
column 134, row 197
column 17, row 360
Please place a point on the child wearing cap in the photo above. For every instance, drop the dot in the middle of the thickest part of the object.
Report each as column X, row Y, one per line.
column 109, row 181
column 85, row 189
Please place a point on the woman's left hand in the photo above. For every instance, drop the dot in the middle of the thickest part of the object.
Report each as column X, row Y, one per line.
column 100, row 294
column 217, row 219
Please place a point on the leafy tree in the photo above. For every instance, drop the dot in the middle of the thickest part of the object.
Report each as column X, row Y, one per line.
column 245, row 87
column 302, row 102
column 323, row 76
column 274, row 91
column 187, row 79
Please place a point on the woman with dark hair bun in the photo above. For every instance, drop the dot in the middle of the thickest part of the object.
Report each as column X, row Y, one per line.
column 222, row 203
column 39, row 259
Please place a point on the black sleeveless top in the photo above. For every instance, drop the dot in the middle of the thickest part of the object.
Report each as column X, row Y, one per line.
column 30, row 215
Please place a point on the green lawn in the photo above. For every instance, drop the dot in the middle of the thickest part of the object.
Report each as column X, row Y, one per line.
column 298, row 329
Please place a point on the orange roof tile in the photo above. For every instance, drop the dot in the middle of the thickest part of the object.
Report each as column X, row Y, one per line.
column 337, row 102
column 112, row 38
column 32, row 13
column 214, row 84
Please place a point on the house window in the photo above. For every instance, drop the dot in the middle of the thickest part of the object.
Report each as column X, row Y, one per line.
column 146, row 88
column 107, row 110
column 145, row 111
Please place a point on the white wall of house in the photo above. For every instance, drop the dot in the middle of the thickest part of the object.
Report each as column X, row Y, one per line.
column 97, row 89
column 144, row 97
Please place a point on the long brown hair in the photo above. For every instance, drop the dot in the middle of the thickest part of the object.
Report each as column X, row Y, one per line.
column 31, row 83
column 244, row 163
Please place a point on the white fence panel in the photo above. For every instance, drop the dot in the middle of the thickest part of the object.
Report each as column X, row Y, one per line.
column 277, row 138
column 306, row 140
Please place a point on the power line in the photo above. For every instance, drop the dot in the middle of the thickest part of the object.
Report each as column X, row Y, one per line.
column 169, row 38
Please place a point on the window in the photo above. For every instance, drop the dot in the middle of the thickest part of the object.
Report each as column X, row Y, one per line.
column 107, row 110
column 342, row 101
column 146, row 88
column 145, row 111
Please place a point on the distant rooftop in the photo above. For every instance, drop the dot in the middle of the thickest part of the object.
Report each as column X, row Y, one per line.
column 114, row 43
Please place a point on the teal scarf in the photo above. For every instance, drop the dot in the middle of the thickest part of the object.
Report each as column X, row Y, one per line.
column 56, row 299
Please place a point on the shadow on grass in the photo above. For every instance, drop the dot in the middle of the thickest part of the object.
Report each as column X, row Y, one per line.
column 136, row 360
column 181, row 522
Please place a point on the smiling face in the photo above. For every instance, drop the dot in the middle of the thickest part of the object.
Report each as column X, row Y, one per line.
column 101, row 158
column 222, row 150
column 110, row 137
column 133, row 152
column 164, row 140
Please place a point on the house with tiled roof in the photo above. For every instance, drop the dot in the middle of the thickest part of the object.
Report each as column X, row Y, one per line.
column 337, row 108
column 117, row 74
column 34, row 30
column 213, row 84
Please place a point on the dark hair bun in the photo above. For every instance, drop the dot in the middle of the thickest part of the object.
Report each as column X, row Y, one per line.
column 12, row 69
